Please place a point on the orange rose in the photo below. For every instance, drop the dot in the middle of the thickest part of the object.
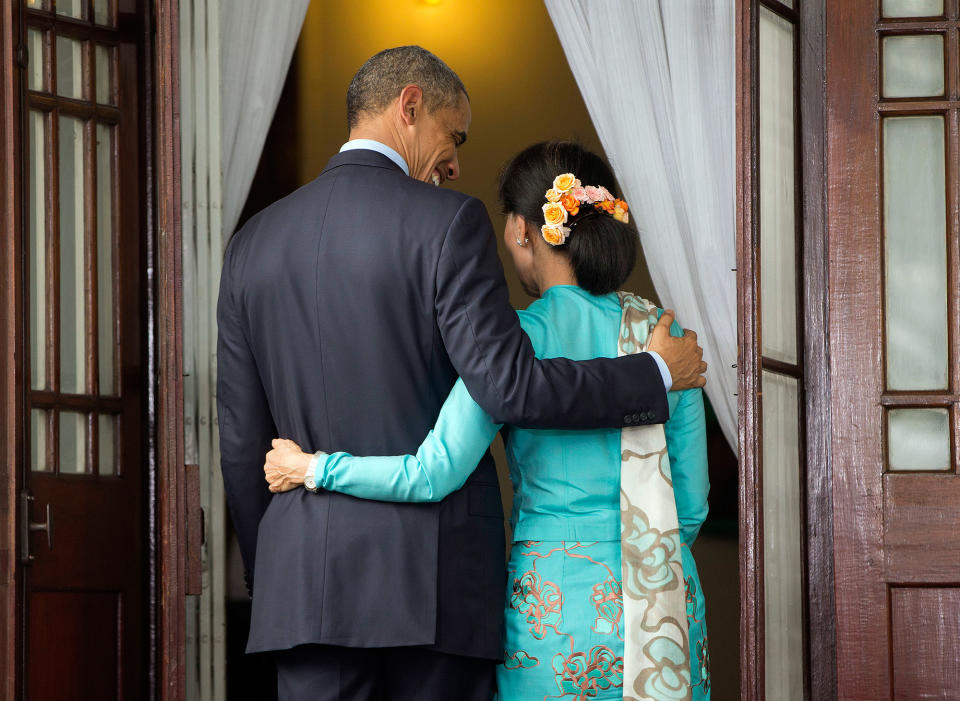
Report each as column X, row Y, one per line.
column 554, row 235
column 623, row 205
column 553, row 195
column 606, row 206
column 565, row 182
column 570, row 204
column 554, row 214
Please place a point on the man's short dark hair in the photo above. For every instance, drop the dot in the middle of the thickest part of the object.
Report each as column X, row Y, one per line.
column 381, row 79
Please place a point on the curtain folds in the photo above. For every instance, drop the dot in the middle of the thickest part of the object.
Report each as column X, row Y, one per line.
column 658, row 78
column 258, row 39
column 233, row 60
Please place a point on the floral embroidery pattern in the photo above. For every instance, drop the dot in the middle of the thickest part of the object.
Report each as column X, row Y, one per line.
column 570, row 634
column 607, row 597
column 582, row 676
column 541, row 603
column 703, row 659
column 519, row 659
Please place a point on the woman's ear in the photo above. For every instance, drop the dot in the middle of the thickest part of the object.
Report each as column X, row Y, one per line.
column 524, row 229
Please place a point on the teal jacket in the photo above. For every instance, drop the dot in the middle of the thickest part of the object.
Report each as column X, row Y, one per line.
column 566, row 483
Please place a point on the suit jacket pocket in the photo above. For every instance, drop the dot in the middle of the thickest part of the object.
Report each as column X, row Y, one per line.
column 484, row 500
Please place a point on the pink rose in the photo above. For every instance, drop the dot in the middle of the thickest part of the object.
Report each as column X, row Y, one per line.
column 579, row 193
column 606, row 193
column 593, row 193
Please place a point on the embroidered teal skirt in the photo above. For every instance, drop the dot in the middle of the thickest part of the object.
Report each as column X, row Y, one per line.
column 563, row 617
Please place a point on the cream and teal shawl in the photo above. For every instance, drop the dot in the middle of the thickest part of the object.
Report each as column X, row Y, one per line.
column 656, row 659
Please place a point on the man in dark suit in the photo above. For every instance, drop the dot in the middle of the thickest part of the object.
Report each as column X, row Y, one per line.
column 347, row 310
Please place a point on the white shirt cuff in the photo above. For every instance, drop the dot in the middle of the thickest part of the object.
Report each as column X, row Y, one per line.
column 664, row 370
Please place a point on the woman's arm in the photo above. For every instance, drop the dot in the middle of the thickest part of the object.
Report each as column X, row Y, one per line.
column 686, row 434
column 450, row 452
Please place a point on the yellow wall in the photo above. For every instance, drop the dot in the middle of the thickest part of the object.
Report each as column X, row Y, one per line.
column 505, row 51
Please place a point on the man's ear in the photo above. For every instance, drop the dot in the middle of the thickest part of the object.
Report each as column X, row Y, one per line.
column 411, row 104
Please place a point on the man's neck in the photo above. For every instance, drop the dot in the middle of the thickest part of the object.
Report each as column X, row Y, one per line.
column 376, row 133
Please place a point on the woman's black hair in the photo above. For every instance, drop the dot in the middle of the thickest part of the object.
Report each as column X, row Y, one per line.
column 602, row 250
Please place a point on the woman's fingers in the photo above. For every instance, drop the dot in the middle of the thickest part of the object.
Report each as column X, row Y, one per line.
column 280, row 469
column 278, row 477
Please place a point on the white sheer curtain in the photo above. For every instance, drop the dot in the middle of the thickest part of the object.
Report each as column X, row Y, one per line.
column 234, row 56
column 258, row 39
column 658, row 79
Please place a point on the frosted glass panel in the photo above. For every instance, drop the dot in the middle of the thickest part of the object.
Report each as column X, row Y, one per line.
column 73, row 442
column 72, row 8
column 778, row 285
column 918, row 439
column 38, row 441
column 915, row 253
column 103, row 12
column 106, row 314
column 108, row 438
column 73, row 316
column 36, row 68
column 69, row 68
column 37, row 290
column 103, row 58
column 782, row 555
column 913, row 66
column 912, row 8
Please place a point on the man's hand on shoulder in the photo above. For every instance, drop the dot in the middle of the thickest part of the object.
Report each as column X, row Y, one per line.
column 682, row 354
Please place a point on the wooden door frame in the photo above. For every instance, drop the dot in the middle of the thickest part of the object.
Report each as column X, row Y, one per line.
column 166, row 480
column 821, row 601
column 170, row 472
column 817, row 511
column 10, row 390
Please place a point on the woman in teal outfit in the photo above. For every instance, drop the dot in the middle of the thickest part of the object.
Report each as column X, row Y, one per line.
column 563, row 613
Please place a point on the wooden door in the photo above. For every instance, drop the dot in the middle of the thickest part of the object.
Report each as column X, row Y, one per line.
column 779, row 353
column 893, row 102
column 83, row 504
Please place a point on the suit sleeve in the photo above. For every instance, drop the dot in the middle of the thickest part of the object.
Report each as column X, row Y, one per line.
column 442, row 464
column 246, row 425
column 496, row 360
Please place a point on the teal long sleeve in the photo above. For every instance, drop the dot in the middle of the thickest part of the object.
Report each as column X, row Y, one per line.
column 565, row 482
column 686, row 435
column 450, row 452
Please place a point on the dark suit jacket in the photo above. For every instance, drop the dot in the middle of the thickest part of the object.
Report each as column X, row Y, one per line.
column 346, row 312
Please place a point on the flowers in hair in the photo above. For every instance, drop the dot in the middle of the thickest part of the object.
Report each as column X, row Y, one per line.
column 566, row 199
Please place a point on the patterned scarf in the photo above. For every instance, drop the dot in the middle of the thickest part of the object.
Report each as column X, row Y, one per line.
column 656, row 659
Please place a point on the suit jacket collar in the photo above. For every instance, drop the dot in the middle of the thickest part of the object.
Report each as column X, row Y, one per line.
column 361, row 157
